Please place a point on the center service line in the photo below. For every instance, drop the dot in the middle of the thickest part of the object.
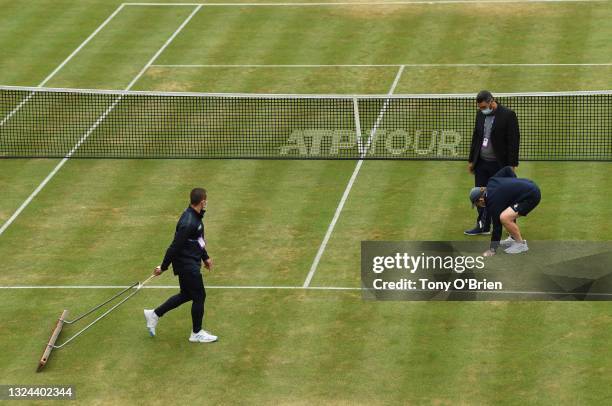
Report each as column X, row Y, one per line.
column 98, row 121
column 386, row 65
column 349, row 186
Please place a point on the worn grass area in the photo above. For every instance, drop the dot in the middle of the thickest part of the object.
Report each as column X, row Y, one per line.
column 107, row 222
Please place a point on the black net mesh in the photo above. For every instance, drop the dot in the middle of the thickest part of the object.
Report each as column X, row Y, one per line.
column 78, row 124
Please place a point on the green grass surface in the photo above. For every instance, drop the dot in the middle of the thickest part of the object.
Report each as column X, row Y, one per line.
column 324, row 347
column 108, row 222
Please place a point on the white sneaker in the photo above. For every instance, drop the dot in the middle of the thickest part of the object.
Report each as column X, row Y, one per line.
column 517, row 248
column 202, row 337
column 152, row 320
column 507, row 242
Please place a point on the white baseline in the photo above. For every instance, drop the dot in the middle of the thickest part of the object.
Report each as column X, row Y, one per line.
column 271, row 287
column 364, row 3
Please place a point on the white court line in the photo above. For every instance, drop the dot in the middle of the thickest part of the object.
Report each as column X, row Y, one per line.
column 503, row 292
column 383, row 65
column 61, row 65
column 349, row 186
column 177, row 287
column 95, row 125
column 365, row 3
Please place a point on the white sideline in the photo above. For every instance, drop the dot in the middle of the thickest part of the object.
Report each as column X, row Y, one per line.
column 95, row 125
column 349, row 186
column 61, row 65
column 383, row 65
column 365, row 3
column 76, row 51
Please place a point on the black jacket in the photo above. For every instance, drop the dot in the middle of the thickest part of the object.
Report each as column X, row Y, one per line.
column 188, row 249
column 505, row 136
column 504, row 189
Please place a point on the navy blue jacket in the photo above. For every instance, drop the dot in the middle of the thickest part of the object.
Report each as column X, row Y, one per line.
column 188, row 249
column 504, row 189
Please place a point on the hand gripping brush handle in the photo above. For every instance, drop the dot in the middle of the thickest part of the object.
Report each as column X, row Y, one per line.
column 63, row 320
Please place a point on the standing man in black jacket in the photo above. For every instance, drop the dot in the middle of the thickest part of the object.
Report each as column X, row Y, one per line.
column 495, row 144
column 186, row 254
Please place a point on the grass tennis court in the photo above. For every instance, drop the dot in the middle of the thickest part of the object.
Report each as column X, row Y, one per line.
column 106, row 223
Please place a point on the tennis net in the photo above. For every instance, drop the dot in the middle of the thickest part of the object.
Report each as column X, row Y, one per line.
column 57, row 123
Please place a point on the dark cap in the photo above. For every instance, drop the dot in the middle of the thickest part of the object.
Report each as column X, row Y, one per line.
column 475, row 194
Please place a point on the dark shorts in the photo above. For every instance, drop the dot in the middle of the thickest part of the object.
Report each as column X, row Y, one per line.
column 525, row 206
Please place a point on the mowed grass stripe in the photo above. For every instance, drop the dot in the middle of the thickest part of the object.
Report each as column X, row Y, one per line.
column 427, row 201
column 562, row 41
column 17, row 180
column 394, row 360
column 563, row 213
column 119, row 52
column 576, row 30
column 395, row 201
column 273, row 45
column 272, row 219
column 117, row 217
column 333, row 80
column 504, row 79
column 552, row 348
column 98, row 221
column 47, row 32
column 585, row 34
column 521, row 340
column 213, row 30
column 392, row 28
column 271, row 36
column 61, row 163
column 72, row 221
column 438, row 351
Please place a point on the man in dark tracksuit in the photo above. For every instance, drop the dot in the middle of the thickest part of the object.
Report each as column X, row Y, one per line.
column 507, row 197
column 186, row 253
column 495, row 144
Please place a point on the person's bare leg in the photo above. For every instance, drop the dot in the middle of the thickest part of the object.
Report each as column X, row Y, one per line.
column 508, row 220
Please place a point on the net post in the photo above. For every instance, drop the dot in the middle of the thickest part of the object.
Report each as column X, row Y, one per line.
column 54, row 335
column 357, row 126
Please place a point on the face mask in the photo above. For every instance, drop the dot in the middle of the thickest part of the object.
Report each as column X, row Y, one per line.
column 487, row 111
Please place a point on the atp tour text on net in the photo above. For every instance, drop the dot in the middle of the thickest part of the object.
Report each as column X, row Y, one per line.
column 412, row 264
column 314, row 142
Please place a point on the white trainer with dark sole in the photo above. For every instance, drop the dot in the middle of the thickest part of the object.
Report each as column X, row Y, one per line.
column 202, row 337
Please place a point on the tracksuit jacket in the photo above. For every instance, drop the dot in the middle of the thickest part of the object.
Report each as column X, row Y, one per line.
column 188, row 249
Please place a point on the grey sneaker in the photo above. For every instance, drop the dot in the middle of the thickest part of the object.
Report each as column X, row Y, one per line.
column 507, row 243
column 517, row 248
